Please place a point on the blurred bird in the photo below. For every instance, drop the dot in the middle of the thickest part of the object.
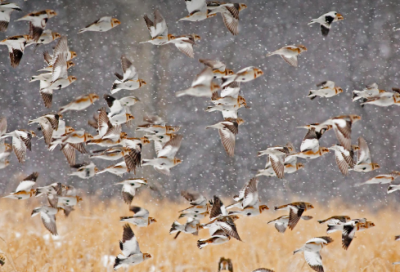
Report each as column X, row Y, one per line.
column 140, row 217
column 314, row 133
column 383, row 100
column 343, row 158
column 101, row 25
column 338, row 225
column 369, row 91
column 85, row 170
column 48, row 123
column 48, row 216
column 342, row 126
column 118, row 169
column 335, row 220
column 129, row 80
column 281, row 223
column 158, row 129
column 202, row 86
column 326, row 21
column 349, row 231
column 5, row 14
column 393, row 188
column 277, row 156
column 158, row 29
column 296, row 210
column 131, row 254
column 76, row 137
column 37, row 22
column 109, row 154
column 80, row 103
column 245, row 75
column 191, row 227
column 16, row 46
column 198, row 11
column 311, row 252
column 61, row 48
column 364, row 163
column 228, row 129
column 218, row 68
column 225, row 265
column 129, row 187
column 21, row 140
column 229, row 13
column 289, row 53
column 46, row 37
column 24, row 189
column 162, row 164
column 381, row 179
column 326, row 89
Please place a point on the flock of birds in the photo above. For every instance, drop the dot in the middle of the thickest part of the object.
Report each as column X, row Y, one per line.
column 226, row 98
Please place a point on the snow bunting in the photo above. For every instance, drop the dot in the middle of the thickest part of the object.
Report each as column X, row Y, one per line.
column 158, row 129
column 314, row 133
column 21, row 140
column 229, row 12
column 198, row 202
column 393, row 188
column 162, row 164
column 184, row 43
column 369, row 91
column 129, row 80
column 296, row 210
column 336, row 219
column 225, row 265
column 326, row 89
column 338, row 225
column 109, row 154
column 381, row 179
column 231, row 90
column 326, row 21
column 244, row 75
column 48, row 216
column 48, row 123
column 16, row 46
column 106, row 129
column 228, row 111
column 131, row 254
column 191, row 226
column 80, row 103
column 227, row 130
column 218, row 68
column 311, row 154
column 158, row 29
column 198, row 11
column 47, row 37
column 118, row 169
column 364, row 163
column 281, row 223
column 312, row 250
column 24, row 189
column 342, row 126
column 37, row 22
column 202, row 86
column 140, row 217
column 5, row 13
column 349, row 231
column 101, row 25
column 277, row 156
column 61, row 48
column 385, row 99
column 76, row 137
column 85, row 171
column 263, row 270
column 343, row 158
column 129, row 187
column 289, row 53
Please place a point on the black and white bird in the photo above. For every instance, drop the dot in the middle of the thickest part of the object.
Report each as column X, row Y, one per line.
column 5, row 14
column 326, row 21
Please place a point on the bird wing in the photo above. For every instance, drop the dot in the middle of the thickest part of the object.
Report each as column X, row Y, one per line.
column 231, row 19
column 128, row 192
column 204, row 77
column 281, row 227
column 139, row 211
column 278, row 164
column 341, row 163
column 314, row 260
column 228, row 140
column 193, row 198
column 49, row 222
column 196, row 5
column 3, row 126
column 229, row 227
column 342, row 130
column 60, row 67
column 47, row 130
column 161, row 28
column 103, row 123
column 129, row 70
column 19, row 148
column 171, row 147
column 364, row 154
column 69, row 153
column 129, row 244
column 250, row 193
column 294, row 217
column 292, row 60
column 217, row 209
column 25, row 185
column 349, row 231
column 185, row 47
column 60, row 48
column 214, row 64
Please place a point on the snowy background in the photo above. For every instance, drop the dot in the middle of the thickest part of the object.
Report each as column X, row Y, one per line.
column 359, row 50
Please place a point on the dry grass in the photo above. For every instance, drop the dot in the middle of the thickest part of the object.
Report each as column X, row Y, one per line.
column 93, row 231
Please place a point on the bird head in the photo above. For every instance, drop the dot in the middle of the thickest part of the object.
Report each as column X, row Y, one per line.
column 299, row 165
column 258, row 72
column 324, row 150
column 8, row 147
column 69, row 130
column 242, row 7
column 229, row 72
column 78, row 199
column 51, row 13
column 70, row 64
column 33, row 133
column 302, row 48
column 145, row 140
column 72, row 78
column 96, row 170
column 339, row 16
column 115, row 22
column 146, row 256
column 196, row 37
column 172, row 129
column 375, row 166
column 152, row 220
column 142, row 82
column 339, row 90
column 170, row 37
column 88, row 136
column 177, row 161
column 347, row 218
column 73, row 54
column 355, row 118
column 234, row 217
column 263, row 208
column 129, row 117
column 123, row 135
column 93, row 97
column 7, row 162
column 309, row 206
column 55, row 35
column 240, row 121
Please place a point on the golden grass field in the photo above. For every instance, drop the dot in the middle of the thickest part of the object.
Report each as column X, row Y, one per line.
column 92, row 232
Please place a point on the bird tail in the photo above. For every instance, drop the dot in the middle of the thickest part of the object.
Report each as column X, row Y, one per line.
column 124, row 218
column 35, row 211
column 297, row 250
column 321, row 221
column 311, row 95
column 82, row 30
column 174, row 227
column 180, row 93
column 270, row 54
column 202, row 243
column 312, row 22
column 210, row 109
column 34, row 78
column 358, row 184
column 117, row 263
column 356, row 96
column 397, row 237
column 333, row 228
column 146, row 162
